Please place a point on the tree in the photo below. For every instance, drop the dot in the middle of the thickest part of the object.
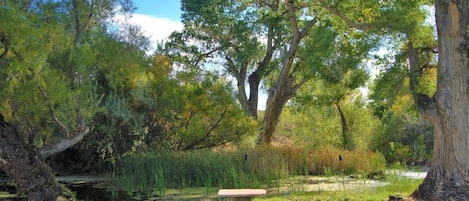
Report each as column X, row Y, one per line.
column 260, row 41
column 232, row 31
column 337, row 79
column 47, row 92
column 448, row 109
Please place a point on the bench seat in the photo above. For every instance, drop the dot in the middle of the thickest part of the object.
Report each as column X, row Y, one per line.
column 241, row 194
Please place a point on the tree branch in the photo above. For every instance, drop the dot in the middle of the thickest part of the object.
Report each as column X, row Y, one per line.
column 356, row 25
column 300, row 84
column 292, row 18
column 77, row 19
column 423, row 101
column 64, row 144
column 3, row 161
column 209, row 132
column 52, row 111
column 308, row 27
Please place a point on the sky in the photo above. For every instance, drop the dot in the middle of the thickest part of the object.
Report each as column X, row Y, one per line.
column 170, row 9
column 158, row 18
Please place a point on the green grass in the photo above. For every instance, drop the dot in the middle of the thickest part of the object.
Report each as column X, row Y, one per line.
column 397, row 186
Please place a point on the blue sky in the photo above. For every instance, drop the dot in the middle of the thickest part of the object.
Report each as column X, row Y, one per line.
column 157, row 18
column 159, row 8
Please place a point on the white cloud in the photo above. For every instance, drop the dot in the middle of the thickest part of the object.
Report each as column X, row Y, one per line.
column 156, row 29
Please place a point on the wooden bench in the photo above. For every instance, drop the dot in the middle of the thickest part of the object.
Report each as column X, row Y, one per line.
column 241, row 194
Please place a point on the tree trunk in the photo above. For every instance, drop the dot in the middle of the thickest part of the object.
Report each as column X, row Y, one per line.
column 273, row 110
column 254, row 81
column 286, row 86
column 22, row 163
column 346, row 144
column 448, row 110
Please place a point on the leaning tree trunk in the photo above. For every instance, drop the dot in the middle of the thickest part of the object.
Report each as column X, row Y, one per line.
column 448, row 110
column 21, row 162
column 25, row 164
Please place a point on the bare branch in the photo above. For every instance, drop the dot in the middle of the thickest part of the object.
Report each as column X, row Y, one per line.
column 64, row 144
column 209, row 132
column 300, row 84
column 3, row 161
column 52, row 111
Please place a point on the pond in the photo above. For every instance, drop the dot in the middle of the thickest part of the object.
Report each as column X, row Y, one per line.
column 97, row 189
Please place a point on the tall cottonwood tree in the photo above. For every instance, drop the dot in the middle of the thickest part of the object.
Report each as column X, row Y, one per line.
column 245, row 39
column 448, row 108
column 258, row 41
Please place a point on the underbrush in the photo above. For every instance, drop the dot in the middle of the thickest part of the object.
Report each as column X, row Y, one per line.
column 149, row 172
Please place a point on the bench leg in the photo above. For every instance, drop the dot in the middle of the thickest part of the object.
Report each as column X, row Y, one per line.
column 242, row 199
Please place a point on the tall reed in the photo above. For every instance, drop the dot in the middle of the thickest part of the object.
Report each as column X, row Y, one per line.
column 145, row 173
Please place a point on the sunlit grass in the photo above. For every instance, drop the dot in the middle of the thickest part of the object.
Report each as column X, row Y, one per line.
column 397, row 186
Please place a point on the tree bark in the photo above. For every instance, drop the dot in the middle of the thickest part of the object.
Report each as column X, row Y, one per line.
column 448, row 110
column 21, row 162
column 286, row 86
column 346, row 144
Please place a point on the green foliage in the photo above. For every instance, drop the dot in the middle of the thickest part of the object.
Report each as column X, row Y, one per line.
column 160, row 112
column 49, row 101
column 403, row 138
column 191, row 113
column 389, row 85
column 318, row 124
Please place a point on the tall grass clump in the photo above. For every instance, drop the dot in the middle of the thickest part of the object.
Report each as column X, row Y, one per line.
column 320, row 160
column 147, row 173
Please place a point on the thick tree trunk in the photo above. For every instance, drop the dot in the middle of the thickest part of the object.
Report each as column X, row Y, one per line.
column 25, row 165
column 254, row 81
column 448, row 110
column 22, row 163
column 273, row 110
column 286, row 86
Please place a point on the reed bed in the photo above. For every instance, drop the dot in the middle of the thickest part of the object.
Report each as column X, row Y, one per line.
column 151, row 173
